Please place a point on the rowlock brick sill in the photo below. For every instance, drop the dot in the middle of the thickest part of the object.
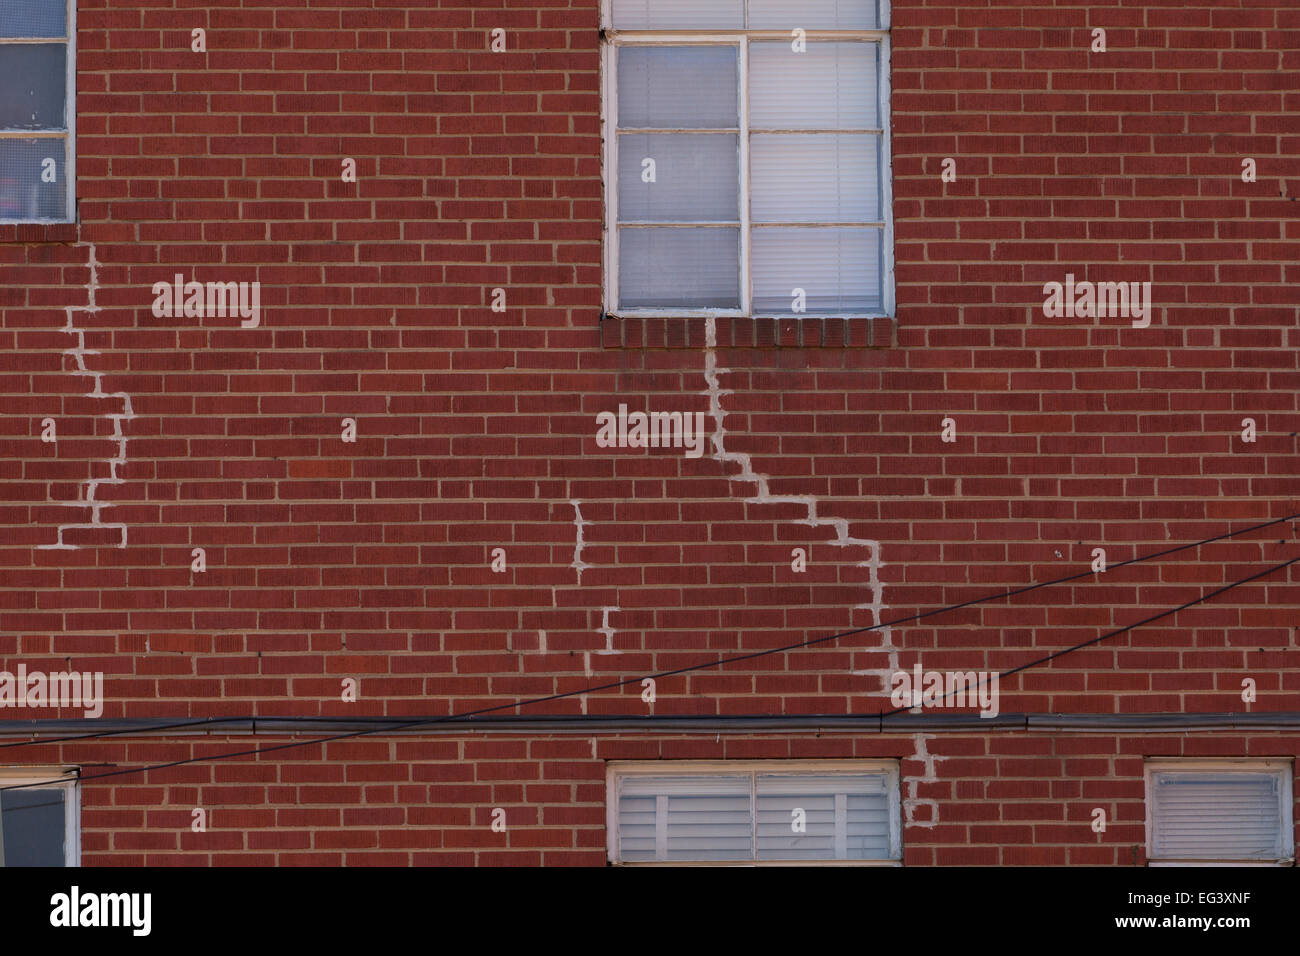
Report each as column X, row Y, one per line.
column 635, row 332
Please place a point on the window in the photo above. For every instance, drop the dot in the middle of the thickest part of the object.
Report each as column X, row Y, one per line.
column 747, row 157
column 775, row 811
column 1220, row 811
column 38, row 825
column 37, row 112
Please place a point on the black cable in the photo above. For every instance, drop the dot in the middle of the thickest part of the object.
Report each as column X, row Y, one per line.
column 537, row 700
column 1128, row 627
column 196, row 722
column 202, row 721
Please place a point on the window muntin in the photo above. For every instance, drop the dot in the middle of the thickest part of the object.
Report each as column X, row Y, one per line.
column 37, row 110
column 808, row 152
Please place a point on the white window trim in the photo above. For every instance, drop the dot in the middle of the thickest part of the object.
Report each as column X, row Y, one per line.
column 609, row 155
column 615, row 770
column 66, row 778
column 70, row 116
column 1283, row 766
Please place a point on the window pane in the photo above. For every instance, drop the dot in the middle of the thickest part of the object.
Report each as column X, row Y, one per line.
column 837, row 268
column 677, row 87
column 863, row 830
column 867, row 826
column 1217, row 816
column 777, row 839
column 33, row 18
column 812, row 14
column 831, row 86
column 704, row 818
column 33, row 823
column 814, row 177
column 691, row 268
column 636, row 828
column 23, row 194
column 678, row 14
column 696, row 177
column 32, row 85
column 710, row 827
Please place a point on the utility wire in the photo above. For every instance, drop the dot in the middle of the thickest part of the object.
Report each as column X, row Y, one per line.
column 715, row 663
column 211, row 721
column 1127, row 627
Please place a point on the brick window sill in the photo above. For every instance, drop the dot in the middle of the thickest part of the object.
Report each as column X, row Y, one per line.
column 748, row 333
column 38, row 232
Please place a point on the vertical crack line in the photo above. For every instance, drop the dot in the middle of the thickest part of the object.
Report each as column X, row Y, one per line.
column 608, row 630
column 579, row 543
column 912, row 801
column 78, row 354
column 763, row 495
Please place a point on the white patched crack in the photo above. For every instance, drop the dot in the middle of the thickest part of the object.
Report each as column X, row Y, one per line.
column 911, row 802
column 809, row 502
column 842, row 539
column 78, row 354
column 578, row 544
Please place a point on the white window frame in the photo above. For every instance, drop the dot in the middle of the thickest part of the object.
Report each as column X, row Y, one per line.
column 618, row 770
column 1283, row 767
column 66, row 780
column 69, row 114
column 739, row 38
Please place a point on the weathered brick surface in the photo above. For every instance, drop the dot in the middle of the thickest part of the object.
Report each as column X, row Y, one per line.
column 476, row 430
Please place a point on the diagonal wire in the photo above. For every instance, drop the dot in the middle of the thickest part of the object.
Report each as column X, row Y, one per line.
column 212, row 721
column 682, row 670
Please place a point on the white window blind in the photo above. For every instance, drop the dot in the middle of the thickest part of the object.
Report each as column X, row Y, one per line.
column 755, row 816
column 747, row 172
column 678, row 14
column 37, row 113
column 814, row 14
column 845, row 818
column 1229, row 815
column 687, row 818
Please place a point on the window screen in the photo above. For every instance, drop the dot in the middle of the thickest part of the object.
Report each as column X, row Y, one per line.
column 32, row 827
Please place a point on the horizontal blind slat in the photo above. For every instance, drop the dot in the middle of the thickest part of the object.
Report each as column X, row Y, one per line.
column 678, row 14
column 1234, row 815
column 838, row 268
column 813, row 15
column 692, row 268
column 833, row 85
column 814, row 177
column 678, row 87
column 696, row 177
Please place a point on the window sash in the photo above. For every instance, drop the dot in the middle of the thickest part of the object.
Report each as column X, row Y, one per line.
column 741, row 39
column 734, row 15
column 67, row 785
column 68, row 132
column 651, row 793
column 1164, row 806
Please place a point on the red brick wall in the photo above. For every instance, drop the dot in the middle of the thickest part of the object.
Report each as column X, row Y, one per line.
column 968, row 799
column 476, row 429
